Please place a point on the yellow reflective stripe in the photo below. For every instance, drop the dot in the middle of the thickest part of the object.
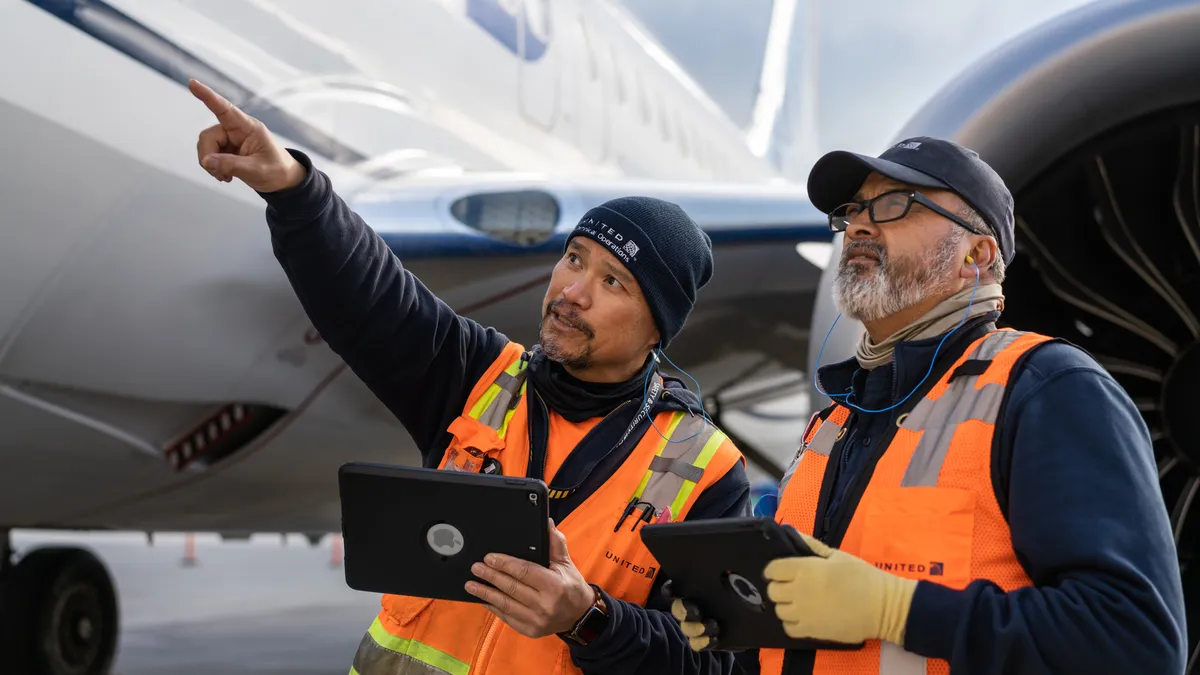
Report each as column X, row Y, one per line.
column 493, row 391
column 662, row 443
column 417, row 650
column 508, row 415
column 485, row 400
column 685, row 491
column 353, row 671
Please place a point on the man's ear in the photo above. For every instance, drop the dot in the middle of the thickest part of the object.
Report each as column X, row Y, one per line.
column 983, row 252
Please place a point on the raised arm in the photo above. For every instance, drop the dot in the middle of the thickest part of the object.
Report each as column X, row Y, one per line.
column 418, row 357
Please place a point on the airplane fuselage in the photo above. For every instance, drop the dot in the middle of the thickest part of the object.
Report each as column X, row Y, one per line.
column 141, row 300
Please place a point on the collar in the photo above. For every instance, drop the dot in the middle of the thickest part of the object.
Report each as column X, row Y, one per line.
column 576, row 400
column 910, row 362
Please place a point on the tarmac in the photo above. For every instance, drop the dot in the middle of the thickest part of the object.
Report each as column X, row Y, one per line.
column 264, row 606
column 242, row 607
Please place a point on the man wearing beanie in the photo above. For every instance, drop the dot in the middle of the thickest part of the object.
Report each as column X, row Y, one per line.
column 586, row 410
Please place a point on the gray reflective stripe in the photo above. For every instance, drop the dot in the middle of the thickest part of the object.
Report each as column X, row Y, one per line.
column 823, row 440
column 995, row 343
column 510, row 387
column 787, row 475
column 510, row 383
column 678, row 467
column 822, row 444
column 373, row 659
column 961, row 402
column 893, row 660
column 940, row 419
column 662, row 487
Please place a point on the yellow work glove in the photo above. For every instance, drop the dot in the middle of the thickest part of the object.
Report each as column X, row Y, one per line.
column 838, row 597
column 701, row 633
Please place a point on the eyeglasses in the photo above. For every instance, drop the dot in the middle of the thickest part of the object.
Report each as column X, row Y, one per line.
column 888, row 207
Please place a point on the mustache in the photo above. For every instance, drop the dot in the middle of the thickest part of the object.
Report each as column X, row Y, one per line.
column 569, row 314
column 865, row 247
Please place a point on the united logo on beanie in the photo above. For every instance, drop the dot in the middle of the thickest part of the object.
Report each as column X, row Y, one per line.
column 661, row 246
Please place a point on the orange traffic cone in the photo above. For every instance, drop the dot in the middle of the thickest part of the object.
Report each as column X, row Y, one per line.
column 335, row 554
column 189, row 549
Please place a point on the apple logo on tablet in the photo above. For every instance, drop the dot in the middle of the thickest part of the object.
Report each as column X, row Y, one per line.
column 745, row 590
column 444, row 539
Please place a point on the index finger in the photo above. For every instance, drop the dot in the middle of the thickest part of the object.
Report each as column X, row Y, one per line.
column 522, row 570
column 226, row 112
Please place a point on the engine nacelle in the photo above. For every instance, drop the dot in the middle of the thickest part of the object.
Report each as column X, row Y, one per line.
column 1032, row 101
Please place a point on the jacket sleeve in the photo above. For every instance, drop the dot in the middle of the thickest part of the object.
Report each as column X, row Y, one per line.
column 1089, row 526
column 643, row 641
column 411, row 349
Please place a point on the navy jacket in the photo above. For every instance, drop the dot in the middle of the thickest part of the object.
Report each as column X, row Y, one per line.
column 422, row 360
column 1075, row 475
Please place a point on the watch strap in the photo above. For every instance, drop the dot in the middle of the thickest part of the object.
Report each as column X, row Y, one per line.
column 592, row 623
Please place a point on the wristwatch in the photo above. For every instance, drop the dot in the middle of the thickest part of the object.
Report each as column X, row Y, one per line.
column 592, row 623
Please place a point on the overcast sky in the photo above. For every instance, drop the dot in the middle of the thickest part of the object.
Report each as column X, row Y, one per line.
column 878, row 60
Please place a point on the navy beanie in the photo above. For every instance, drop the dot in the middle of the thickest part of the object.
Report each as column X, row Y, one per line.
column 661, row 246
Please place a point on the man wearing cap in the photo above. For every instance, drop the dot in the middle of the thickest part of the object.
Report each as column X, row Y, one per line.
column 979, row 500
column 587, row 410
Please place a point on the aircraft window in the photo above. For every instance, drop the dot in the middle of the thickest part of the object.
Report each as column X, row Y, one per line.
column 525, row 218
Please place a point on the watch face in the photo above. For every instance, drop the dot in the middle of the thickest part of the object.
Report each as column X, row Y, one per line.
column 592, row 625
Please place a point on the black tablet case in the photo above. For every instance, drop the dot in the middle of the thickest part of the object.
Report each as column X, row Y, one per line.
column 718, row 565
column 388, row 511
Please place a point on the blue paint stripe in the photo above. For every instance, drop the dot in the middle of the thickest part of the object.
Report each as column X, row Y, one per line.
column 137, row 41
column 432, row 245
column 502, row 25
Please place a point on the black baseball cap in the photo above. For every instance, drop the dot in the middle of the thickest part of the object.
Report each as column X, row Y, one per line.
column 924, row 162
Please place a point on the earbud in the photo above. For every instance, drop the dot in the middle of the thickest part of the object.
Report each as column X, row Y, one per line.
column 970, row 259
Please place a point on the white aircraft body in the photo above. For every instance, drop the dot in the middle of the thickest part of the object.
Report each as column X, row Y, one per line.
column 157, row 372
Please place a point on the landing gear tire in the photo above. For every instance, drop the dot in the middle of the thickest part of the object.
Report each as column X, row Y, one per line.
column 58, row 615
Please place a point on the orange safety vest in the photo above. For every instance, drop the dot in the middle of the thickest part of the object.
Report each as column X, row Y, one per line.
column 412, row 634
column 929, row 511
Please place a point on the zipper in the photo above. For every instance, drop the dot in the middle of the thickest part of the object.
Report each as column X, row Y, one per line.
column 546, row 454
column 484, row 646
column 895, row 381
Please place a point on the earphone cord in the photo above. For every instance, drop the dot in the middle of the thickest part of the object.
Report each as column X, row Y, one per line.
column 932, row 361
column 645, row 393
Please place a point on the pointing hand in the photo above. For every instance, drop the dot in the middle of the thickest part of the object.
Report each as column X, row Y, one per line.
column 239, row 146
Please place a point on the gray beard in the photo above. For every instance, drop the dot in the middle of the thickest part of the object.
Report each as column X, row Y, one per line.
column 894, row 284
